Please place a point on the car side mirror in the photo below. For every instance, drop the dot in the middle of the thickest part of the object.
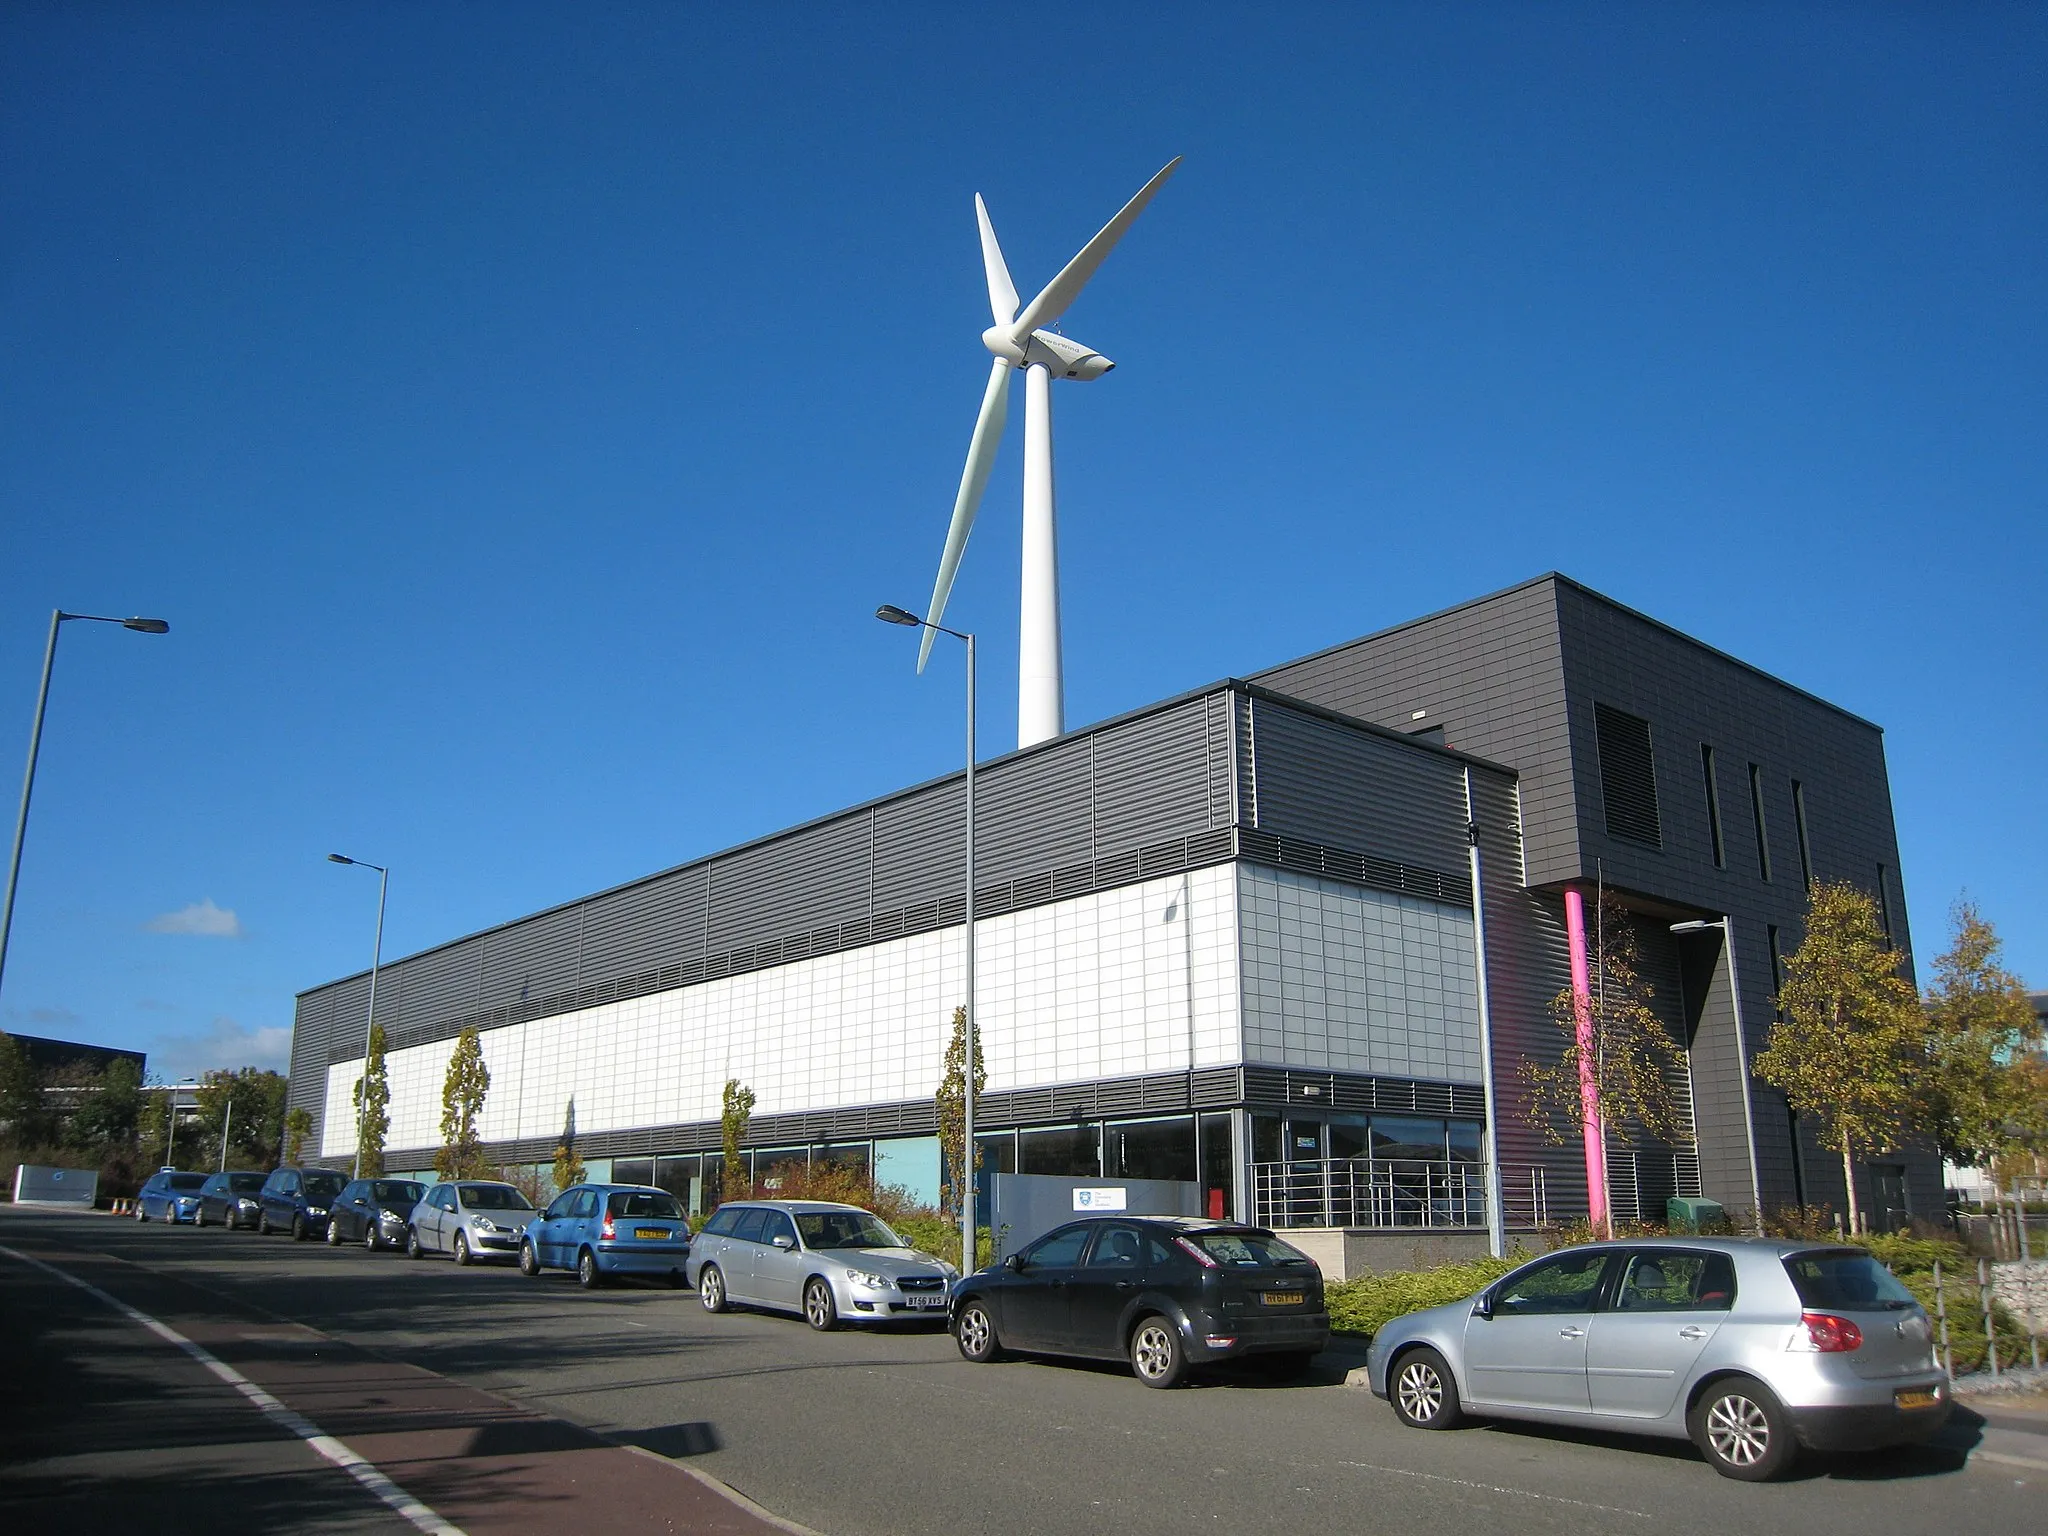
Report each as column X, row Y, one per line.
column 1483, row 1307
column 784, row 1241
column 1014, row 1262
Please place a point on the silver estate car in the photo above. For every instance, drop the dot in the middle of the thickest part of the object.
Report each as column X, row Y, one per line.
column 833, row 1263
column 1751, row 1347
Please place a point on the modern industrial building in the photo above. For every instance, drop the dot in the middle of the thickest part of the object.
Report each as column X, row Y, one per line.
column 1233, row 938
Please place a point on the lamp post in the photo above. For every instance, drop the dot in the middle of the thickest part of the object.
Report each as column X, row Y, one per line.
column 58, row 617
column 889, row 613
column 376, row 959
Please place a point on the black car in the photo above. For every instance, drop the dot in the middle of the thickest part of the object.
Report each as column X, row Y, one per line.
column 229, row 1199
column 1165, row 1293
column 373, row 1212
column 296, row 1200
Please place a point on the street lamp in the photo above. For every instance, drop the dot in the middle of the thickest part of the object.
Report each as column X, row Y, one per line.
column 376, row 959
column 35, row 742
column 889, row 613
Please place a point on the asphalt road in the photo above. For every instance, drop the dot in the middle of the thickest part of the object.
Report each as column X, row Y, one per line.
column 851, row 1434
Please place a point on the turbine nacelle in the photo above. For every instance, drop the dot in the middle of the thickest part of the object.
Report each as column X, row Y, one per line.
column 1062, row 358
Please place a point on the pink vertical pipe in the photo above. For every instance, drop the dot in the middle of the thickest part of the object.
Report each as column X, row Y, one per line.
column 1589, row 1097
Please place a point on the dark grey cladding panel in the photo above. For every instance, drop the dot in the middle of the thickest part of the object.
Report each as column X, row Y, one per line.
column 531, row 959
column 312, row 1032
column 1152, row 777
column 815, row 876
column 1332, row 784
column 1034, row 812
column 657, row 922
column 433, row 986
column 920, row 847
column 1219, row 757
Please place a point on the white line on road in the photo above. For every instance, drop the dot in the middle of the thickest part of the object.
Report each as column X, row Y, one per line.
column 1520, row 1493
column 393, row 1496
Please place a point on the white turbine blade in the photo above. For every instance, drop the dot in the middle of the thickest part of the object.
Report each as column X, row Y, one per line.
column 1002, row 293
column 1064, row 289
column 981, row 458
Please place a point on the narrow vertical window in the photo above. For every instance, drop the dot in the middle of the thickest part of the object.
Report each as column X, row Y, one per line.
column 1756, row 805
column 1777, row 969
column 1713, row 806
column 1799, row 822
column 1884, row 904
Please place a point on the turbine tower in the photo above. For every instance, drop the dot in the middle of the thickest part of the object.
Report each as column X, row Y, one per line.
column 1019, row 342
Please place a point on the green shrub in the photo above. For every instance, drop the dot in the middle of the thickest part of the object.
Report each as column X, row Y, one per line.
column 1904, row 1254
column 937, row 1234
column 1367, row 1304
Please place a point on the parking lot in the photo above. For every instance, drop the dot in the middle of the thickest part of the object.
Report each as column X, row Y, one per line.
column 849, row 1433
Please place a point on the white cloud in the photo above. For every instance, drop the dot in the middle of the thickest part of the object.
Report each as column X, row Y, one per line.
column 227, row 1043
column 202, row 919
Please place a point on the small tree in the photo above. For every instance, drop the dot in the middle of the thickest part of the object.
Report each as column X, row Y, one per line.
column 1635, row 1066
column 736, row 1112
column 23, row 1105
column 1848, row 1049
column 462, row 1100
column 105, row 1122
column 951, row 1100
column 568, row 1170
column 245, row 1106
column 1978, row 1024
column 373, row 1107
column 298, row 1125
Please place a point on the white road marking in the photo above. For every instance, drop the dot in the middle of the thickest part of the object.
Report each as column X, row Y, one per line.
column 1520, row 1493
column 392, row 1496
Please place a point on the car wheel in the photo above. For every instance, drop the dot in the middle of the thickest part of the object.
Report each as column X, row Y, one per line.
column 819, row 1309
column 199, row 1217
column 263, row 1223
column 588, row 1275
column 461, row 1249
column 1742, row 1431
column 333, row 1232
column 298, row 1228
column 371, row 1242
column 413, row 1250
column 170, row 1215
column 1156, row 1353
column 711, row 1288
column 529, row 1261
column 975, row 1333
column 1424, row 1392
column 139, row 1215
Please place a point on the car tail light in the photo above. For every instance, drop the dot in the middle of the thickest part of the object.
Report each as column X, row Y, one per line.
column 1195, row 1251
column 607, row 1232
column 1823, row 1333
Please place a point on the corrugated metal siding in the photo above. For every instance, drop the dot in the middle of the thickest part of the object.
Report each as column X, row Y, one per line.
column 436, row 985
column 1151, row 778
column 531, row 959
column 1033, row 813
column 1218, row 756
column 1356, row 789
column 919, row 846
column 657, row 923
column 816, row 876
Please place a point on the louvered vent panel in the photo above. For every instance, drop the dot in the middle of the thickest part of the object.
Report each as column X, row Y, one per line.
column 1628, row 776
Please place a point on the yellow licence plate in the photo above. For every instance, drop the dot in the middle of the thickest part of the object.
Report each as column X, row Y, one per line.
column 1283, row 1298
column 1916, row 1399
column 652, row 1233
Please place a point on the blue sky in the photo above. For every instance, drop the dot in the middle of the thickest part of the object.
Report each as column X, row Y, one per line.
column 519, row 410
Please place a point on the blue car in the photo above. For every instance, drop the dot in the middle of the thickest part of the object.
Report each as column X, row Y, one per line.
column 170, row 1196
column 603, row 1230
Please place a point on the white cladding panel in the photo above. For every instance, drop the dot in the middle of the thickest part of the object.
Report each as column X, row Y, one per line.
column 1116, row 983
column 1340, row 979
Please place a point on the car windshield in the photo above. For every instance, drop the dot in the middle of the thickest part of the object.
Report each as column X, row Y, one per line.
column 494, row 1197
column 846, row 1229
column 398, row 1192
column 245, row 1183
column 1246, row 1248
column 645, row 1202
column 1846, row 1280
column 187, row 1180
column 324, row 1186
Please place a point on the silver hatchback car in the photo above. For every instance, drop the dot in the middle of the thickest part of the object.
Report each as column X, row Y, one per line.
column 833, row 1263
column 1750, row 1347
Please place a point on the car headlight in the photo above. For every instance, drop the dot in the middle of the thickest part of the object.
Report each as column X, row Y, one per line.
column 243, row 1202
column 864, row 1277
column 316, row 1210
column 391, row 1218
column 484, row 1224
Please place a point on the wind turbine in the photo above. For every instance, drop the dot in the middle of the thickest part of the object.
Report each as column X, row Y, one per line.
column 1019, row 341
